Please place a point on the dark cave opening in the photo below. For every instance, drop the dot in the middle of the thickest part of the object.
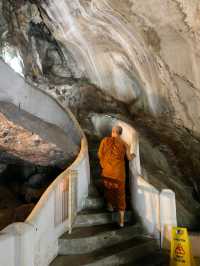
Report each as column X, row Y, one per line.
column 21, row 187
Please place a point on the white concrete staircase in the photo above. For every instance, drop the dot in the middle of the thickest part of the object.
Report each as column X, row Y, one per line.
column 97, row 240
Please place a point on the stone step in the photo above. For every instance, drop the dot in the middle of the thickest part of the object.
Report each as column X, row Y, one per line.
column 88, row 218
column 93, row 190
column 98, row 217
column 156, row 258
column 120, row 254
column 85, row 240
column 94, row 203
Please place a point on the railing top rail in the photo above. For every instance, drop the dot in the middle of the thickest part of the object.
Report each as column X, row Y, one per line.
column 54, row 184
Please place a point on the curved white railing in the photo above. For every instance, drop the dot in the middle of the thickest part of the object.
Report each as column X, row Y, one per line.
column 157, row 210
column 35, row 242
column 52, row 215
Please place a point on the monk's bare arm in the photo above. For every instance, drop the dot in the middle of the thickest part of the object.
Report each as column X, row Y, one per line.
column 101, row 150
column 130, row 156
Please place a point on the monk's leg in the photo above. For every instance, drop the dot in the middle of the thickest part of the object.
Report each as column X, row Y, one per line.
column 109, row 199
column 121, row 218
column 121, row 204
column 110, row 194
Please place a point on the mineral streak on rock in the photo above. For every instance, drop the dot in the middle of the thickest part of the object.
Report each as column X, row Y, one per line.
column 134, row 50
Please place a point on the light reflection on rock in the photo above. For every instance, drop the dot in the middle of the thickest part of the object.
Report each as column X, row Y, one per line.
column 134, row 50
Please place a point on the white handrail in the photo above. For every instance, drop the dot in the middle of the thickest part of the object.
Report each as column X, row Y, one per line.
column 157, row 209
column 49, row 215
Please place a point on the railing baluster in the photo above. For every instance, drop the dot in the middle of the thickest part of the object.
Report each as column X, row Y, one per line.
column 61, row 201
column 72, row 206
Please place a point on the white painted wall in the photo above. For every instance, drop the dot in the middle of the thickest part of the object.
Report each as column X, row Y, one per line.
column 7, row 249
column 145, row 200
column 16, row 245
column 83, row 169
column 168, row 216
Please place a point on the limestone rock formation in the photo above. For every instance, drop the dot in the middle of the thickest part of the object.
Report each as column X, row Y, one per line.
column 137, row 51
column 139, row 60
column 133, row 51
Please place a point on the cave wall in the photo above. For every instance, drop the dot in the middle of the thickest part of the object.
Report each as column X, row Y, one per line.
column 144, row 53
column 120, row 56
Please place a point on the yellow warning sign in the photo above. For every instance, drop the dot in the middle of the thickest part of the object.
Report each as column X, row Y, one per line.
column 180, row 248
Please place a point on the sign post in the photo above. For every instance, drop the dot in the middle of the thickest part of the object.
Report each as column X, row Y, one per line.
column 180, row 248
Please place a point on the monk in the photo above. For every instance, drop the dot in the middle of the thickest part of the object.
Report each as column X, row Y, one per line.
column 112, row 152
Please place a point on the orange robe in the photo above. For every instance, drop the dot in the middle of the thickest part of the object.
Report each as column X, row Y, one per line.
column 112, row 153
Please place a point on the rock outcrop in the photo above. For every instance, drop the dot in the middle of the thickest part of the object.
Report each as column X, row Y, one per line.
column 143, row 54
column 139, row 59
column 26, row 138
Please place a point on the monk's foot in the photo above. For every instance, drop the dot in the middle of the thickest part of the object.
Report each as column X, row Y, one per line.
column 121, row 225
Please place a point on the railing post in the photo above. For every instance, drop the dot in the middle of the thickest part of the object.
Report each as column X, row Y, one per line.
column 72, row 200
column 168, row 217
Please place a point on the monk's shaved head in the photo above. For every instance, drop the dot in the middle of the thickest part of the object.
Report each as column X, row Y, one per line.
column 117, row 131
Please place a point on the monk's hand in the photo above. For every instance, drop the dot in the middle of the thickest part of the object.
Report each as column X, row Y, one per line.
column 132, row 155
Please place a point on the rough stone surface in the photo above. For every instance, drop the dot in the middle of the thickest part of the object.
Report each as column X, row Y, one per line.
column 22, row 212
column 135, row 51
column 37, row 180
column 8, row 203
column 2, row 168
column 24, row 137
